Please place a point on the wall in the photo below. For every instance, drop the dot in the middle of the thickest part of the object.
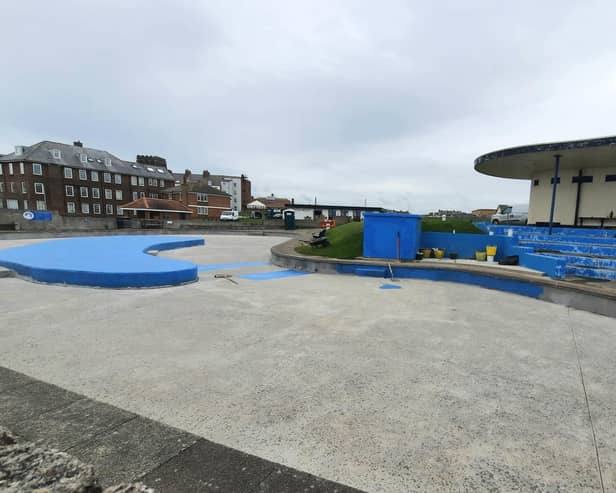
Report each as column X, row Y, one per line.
column 58, row 223
column 597, row 199
column 465, row 245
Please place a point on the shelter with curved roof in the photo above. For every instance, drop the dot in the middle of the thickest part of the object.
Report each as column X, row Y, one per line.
column 572, row 183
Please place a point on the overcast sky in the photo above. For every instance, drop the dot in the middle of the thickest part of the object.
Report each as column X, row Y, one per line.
column 387, row 101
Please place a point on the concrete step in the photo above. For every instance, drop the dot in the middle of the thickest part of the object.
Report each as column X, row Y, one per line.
column 573, row 248
column 589, row 240
column 371, row 271
column 607, row 274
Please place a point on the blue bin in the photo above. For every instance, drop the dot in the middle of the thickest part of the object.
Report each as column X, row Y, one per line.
column 391, row 235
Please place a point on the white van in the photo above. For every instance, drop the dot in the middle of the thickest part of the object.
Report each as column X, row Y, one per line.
column 510, row 214
column 229, row 215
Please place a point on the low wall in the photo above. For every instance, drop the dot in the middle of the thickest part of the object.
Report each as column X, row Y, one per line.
column 464, row 244
column 57, row 223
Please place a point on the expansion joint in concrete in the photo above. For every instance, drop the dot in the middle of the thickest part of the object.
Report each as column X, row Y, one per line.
column 592, row 426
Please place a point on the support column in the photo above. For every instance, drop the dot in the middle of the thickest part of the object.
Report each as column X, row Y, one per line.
column 554, row 185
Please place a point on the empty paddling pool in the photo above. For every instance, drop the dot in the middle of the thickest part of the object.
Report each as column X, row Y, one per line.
column 105, row 261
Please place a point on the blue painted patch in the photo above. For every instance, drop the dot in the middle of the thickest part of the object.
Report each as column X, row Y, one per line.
column 236, row 265
column 390, row 286
column 278, row 274
column 104, row 261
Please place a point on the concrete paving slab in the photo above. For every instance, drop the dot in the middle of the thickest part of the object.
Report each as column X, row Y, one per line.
column 206, row 466
column 132, row 449
column 10, row 379
column 19, row 404
column 431, row 386
column 75, row 424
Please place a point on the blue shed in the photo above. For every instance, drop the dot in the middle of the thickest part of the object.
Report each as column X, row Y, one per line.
column 391, row 235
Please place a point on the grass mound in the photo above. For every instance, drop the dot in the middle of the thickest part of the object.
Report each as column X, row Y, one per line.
column 346, row 242
column 437, row 225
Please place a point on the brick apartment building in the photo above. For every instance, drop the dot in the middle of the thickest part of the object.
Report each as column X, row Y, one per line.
column 75, row 180
column 238, row 187
column 204, row 200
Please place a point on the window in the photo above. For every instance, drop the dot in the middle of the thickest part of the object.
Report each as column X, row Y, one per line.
column 107, row 161
column 96, row 193
column 552, row 180
column 135, row 195
column 69, row 190
column 153, row 195
column 70, row 207
column 161, row 183
column 202, row 211
column 96, row 208
column 12, row 204
column 10, row 168
column 121, row 211
column 535, row 183
column 1, row 186
column 133, row 180
column 118, row 194
column 108, row 194
column 83, row 174
column 141, row 194
column 37, row 169
column 201, row 197
column 141, row 181
column 83, row 158
column 12, row 187
column 117, row 179
column 39, row 189
column 610, row 178
column 21, row 168
column 1, row 166
column 581, row 179
column 94, row 175
column 26, row 205
column 41, row 205
column 107, row 177
column 85, row 208
column 68, row 172
column 83, row 192
column 109, row 209
column 56, row 154
column 23, row 187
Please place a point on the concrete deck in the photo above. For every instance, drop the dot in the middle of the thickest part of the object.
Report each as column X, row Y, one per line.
column 435, row 386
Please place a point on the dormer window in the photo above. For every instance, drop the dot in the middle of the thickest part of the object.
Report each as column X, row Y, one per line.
column 84, row 158
column 107, row 161
column 56, row 154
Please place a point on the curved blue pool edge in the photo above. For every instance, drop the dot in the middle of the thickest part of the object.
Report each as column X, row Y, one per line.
column 105, row 262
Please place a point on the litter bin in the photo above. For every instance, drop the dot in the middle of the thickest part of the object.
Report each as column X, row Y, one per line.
column 289, row 218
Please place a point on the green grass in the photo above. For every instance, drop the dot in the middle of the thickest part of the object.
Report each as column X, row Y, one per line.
column 347, row 240
column 437, row 225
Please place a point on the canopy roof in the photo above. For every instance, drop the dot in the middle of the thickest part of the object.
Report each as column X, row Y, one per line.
column 526, row 161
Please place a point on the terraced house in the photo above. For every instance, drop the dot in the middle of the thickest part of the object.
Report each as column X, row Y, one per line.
column 73, row 180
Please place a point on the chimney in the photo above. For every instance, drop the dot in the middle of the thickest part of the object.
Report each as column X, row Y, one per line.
column 292, row 201
column 78, row 143
column 206, row 174
column 187, row 174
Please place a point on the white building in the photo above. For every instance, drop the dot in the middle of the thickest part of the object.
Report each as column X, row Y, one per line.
column 571, row 183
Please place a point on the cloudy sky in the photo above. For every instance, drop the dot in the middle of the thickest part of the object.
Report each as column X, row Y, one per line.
column 343, row 100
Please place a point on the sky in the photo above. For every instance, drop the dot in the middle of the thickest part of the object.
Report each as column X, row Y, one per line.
column 347, row 101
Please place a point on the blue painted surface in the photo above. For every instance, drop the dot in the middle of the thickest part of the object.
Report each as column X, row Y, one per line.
column 384, row 233
column 279, row 274
column 390, row 286
column 236, row 265
column 482, row 280
column 371, row 271
column 464, row 244
column 103, row 261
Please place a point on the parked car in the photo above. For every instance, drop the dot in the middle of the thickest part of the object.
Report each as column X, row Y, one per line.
column 229, row 216
column 510, row 214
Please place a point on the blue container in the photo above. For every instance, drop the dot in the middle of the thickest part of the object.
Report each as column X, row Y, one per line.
column 391, row 235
